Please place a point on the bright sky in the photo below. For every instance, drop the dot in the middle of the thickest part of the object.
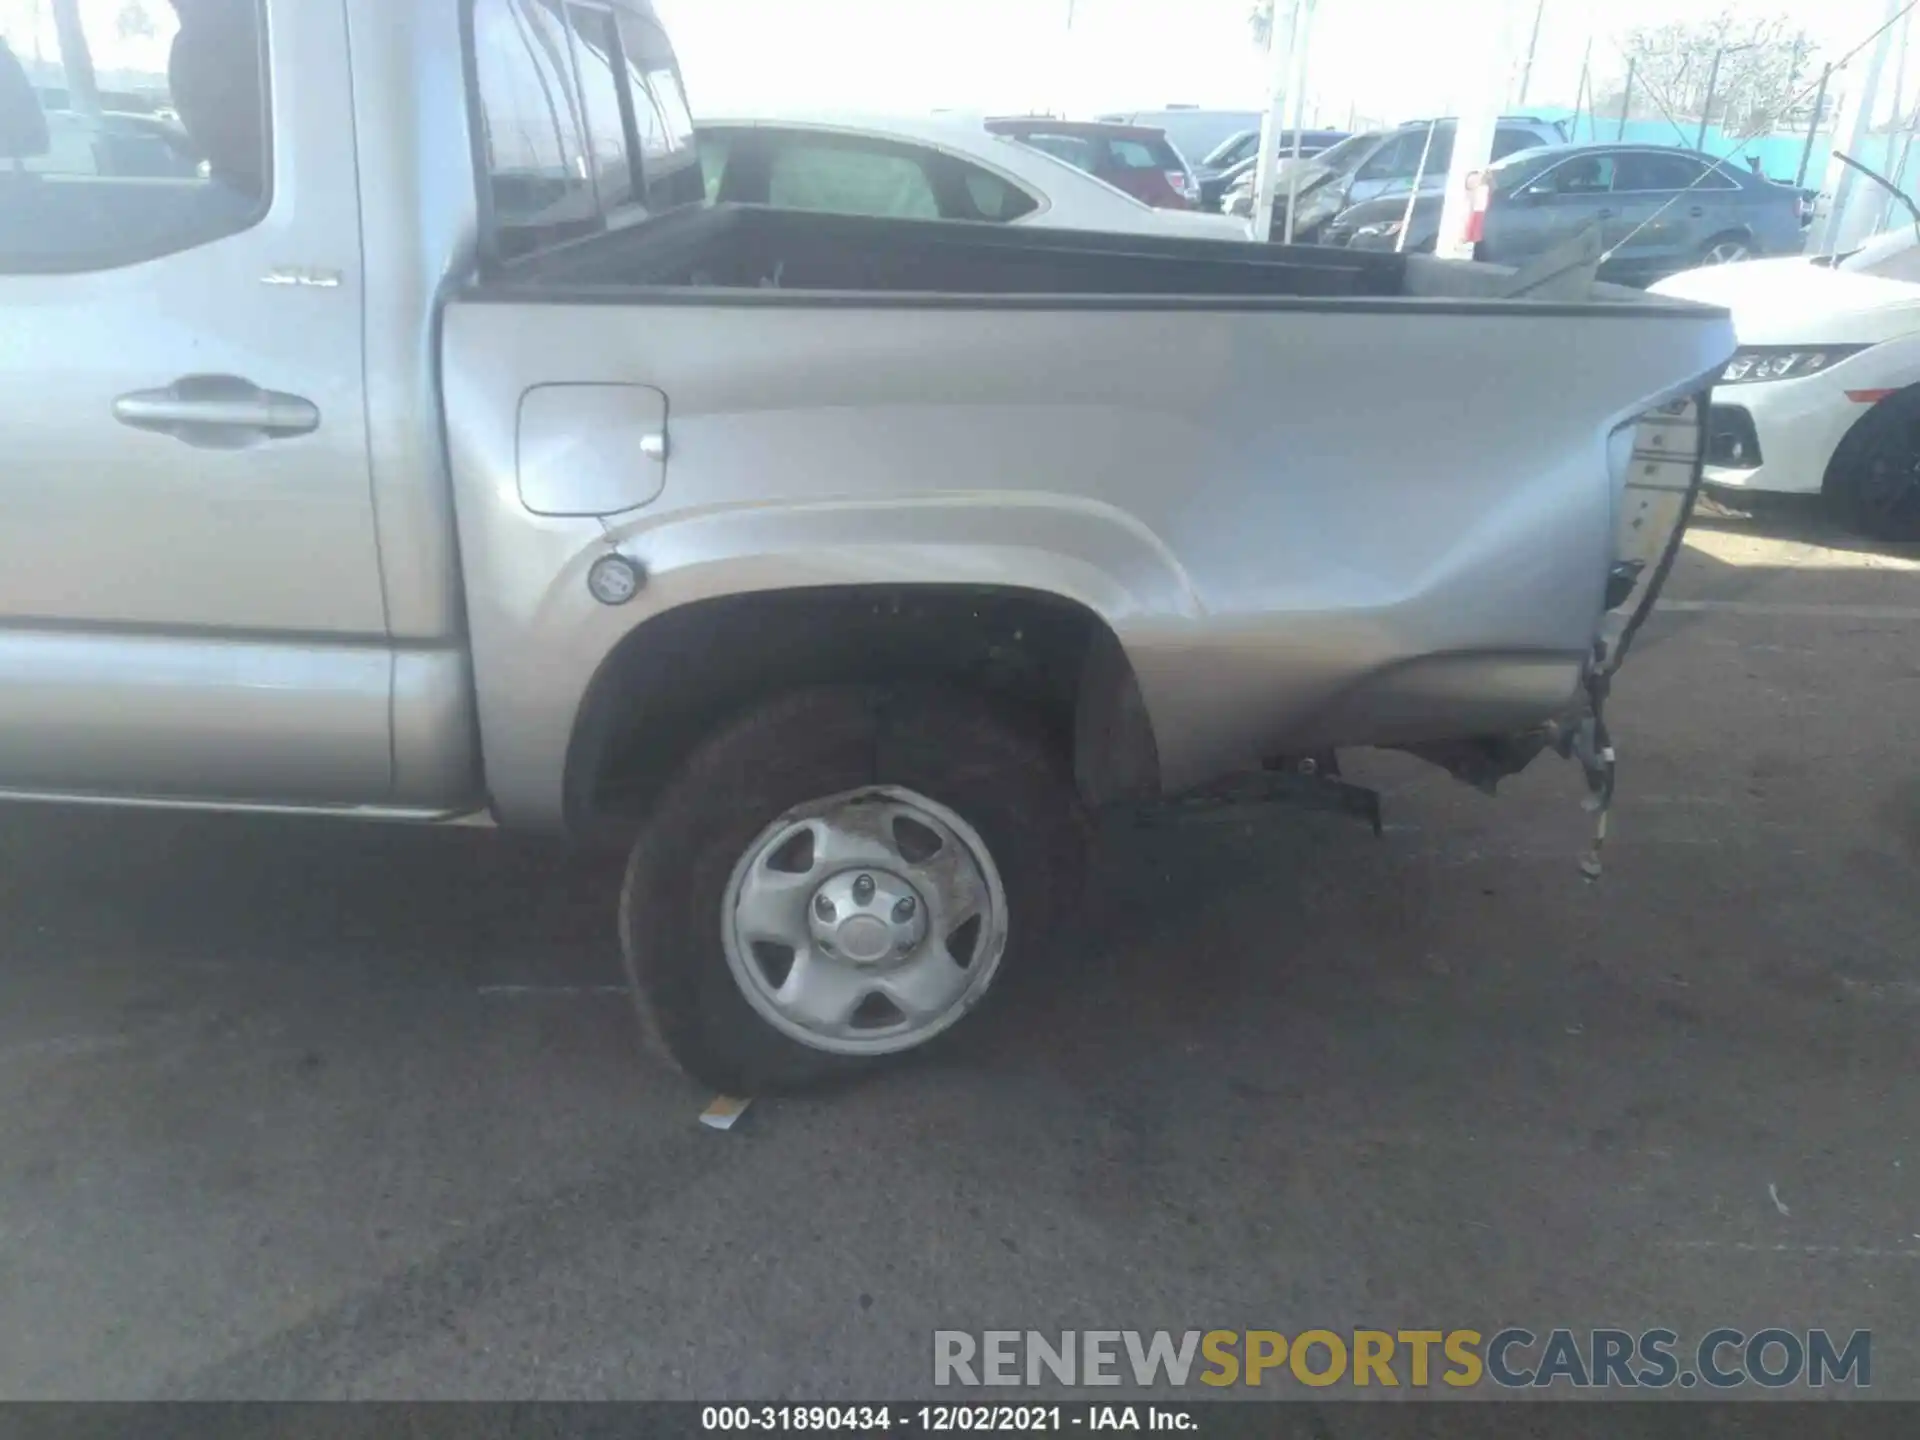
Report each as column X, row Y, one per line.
column 1380, row 59
column 1388, row 59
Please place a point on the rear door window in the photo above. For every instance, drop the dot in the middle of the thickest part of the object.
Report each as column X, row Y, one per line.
column 1643, row 171
column 175, row 153
column 1582, row 175
column 849, row 178
column 991, row 197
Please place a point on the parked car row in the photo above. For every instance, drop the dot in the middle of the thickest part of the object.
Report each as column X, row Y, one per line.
column 1822, row 397
column 1191, row 129
column 926, row 168
column 1380, row 162
column 1236, row 156
column 1659, row 209
column 1138, row 159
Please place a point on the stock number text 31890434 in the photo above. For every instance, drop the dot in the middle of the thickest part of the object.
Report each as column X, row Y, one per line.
column 881, row 1419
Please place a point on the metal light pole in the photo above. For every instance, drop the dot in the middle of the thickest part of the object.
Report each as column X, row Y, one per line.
column 1279, row 57
column 1533, row 43
column 1583, row 93
column 1297, row 103
column 1837, row 228
column 1813, row 125
column 83, row 91
column 1713, row 80
column 1626, row 101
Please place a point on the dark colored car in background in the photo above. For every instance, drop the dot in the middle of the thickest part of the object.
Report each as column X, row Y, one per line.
column 1660, row 209
column 1382, row 162
column 1235, row 157
column 1135, row 158
column 1193, row 130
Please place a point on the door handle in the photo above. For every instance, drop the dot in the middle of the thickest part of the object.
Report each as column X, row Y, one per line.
column 1697, row 211
column 217, row 412
column 1604, row 214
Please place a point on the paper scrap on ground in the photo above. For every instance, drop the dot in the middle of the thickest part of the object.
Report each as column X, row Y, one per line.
column 724, row 1110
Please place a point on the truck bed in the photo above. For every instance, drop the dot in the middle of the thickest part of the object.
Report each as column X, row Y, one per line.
column 1319, row 498
column 752, row 248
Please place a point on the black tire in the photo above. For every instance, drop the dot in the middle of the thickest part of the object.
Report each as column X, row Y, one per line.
column 1874, row 477
column 1729, row 237
column 988, row 766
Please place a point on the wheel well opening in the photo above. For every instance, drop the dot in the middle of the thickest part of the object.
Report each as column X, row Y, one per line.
column 676, row 677
column 1846, row 453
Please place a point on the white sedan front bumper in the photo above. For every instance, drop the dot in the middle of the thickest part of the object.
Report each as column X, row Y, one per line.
column 1780, row 435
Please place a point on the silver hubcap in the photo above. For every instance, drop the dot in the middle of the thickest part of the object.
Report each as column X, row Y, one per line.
column 865, row 923
column 1726, row 252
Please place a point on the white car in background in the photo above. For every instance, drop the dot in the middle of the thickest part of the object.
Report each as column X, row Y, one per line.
column 927, row 168
column 1824, row 395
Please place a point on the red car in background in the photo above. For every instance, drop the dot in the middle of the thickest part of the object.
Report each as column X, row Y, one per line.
column 1135, row 158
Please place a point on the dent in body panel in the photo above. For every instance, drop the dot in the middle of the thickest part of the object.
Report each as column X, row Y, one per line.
column 1294, row 520
column 240, row 719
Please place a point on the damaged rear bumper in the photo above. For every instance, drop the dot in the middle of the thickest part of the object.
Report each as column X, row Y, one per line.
column 1665, row 472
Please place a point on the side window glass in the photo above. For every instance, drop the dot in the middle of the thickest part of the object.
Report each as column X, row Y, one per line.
column 597, row 51
column 1583, row 175
column 993, row 198
column 1655, row 172
column 849, row 180
column 1398, row 157
column 1076, row 151
column 669, row 158
column 531, row 131
column 715, row 147
column 130, row 136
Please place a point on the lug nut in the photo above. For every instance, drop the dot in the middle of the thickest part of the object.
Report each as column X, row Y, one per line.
column 903, row 909
column 823, row 907
column 862, row 889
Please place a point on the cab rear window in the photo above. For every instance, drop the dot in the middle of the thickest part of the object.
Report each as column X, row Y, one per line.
column 580, row 118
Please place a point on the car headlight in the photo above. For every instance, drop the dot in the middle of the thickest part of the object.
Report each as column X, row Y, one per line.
column 1379, row 230
column 1783, row 362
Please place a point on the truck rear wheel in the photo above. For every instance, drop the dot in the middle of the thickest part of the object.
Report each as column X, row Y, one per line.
column 839, row 877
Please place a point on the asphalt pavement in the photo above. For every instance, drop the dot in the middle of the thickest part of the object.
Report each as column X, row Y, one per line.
column 334, row 1110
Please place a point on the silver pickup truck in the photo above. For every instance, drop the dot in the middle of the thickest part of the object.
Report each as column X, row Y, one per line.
column 429, row 449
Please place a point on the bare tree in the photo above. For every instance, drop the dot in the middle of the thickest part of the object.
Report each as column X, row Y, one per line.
column 1260, row 22
column 135, row 21
column 1762, row 65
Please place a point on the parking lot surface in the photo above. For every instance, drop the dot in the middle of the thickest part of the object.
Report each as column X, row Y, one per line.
column 301, row 1109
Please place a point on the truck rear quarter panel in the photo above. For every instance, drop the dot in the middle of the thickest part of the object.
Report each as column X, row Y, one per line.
column 1308, row 522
